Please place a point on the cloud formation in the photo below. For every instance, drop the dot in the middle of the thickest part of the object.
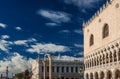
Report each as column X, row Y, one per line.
column 16, row 64
column 3, row 25
column 47, row 48
column 82, row 3
column 51, row 24
column 5, row 45
column 18, row 28
column 64, row 31
column 55, row 16
column 78, row 45
column 24, row 42
column 5, row 36
column 79, row 31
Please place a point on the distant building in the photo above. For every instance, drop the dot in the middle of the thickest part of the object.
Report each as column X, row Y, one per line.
column 49, row 68
column 102, row 43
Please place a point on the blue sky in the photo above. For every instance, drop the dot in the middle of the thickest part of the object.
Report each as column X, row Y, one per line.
column 29, row 27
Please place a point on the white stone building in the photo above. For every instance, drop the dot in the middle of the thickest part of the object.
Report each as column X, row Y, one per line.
column 56, row 68
column 102, row 43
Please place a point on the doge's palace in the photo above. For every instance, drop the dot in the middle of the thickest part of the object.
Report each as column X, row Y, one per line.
column 102, row 43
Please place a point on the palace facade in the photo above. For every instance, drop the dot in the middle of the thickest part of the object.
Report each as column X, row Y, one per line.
column 50, row 68
column 102, row 43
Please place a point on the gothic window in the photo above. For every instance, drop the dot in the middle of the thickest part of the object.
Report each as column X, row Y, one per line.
column 107, row 60
column 47, row 68
column 57, row 69
column 117, row 5
column 72, row 69
column 105, row 30
column 91, row 40
column 76, row 69
column 67, row 69
column 42, row 68
column 53, row 68
column 62, row 69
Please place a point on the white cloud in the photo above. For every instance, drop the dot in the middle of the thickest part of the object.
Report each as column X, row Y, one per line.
column 64, row 31
column 47, row 48
column 4, row 45
column 18, row 28
column 21, row 42
column 24, row 42
column 5, row 36
column 82, row 3
column 16, row 64
column 55, row 16
column 51, row 24
column 31, row 40
column 3, row 25
column 78, row 31
column 78, row 45
column 79, row 53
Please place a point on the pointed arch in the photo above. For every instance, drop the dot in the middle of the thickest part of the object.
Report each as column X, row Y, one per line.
column 91, row 39
column 105, row 32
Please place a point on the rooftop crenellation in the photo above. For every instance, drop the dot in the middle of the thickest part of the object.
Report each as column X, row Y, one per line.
column 97, row 13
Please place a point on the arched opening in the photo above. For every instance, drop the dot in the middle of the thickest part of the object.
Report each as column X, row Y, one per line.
column 102, row 75
column 117, row 74
column 91, row 75
column 100, row 60
column 92, row 63
column 87, row 76
column 103, row 59
column 96, row 75
column 88, row 64
column 91, row 39
column 105, row 32
column 95, row 61
column 119, row 55
column 107, row 59
column 110, row 56
column 109, row 75
column 115, row 56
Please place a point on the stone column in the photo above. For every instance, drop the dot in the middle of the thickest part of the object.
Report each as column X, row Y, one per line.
column 55, row 69
column 44, row 69
column 93, row 76
column 112, row 51
column 109, row 57
column 101, row 59
column 50, row 66
column 105, row 75
column 60, row 69
column 64, row 69
column 99, row 75
column 117, row 53
column 69, row 69
column 113, row 75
